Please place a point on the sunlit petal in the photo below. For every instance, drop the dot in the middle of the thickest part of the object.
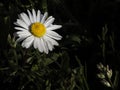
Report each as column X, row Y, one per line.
column 44, row 17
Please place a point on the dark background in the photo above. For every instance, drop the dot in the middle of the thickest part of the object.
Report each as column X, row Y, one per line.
column 92, row 15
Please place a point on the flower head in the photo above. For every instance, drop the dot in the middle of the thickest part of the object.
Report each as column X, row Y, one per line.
column 38, row 30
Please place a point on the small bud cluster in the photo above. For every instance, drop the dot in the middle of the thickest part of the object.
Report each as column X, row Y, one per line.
column 105, row 74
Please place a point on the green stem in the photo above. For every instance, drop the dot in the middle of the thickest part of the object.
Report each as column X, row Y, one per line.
column 112, row 86
column 85, row 82
column 116, row 80
column 83, row 74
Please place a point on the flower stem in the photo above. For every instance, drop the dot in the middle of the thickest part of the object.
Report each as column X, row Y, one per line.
column 116, row 80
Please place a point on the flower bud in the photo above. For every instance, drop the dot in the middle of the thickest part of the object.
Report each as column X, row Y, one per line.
column 101, row 75
column 100, row 66
column 106, row 83
column 109, row 72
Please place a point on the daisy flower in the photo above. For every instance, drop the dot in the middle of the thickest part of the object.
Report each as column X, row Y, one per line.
column 37, row 30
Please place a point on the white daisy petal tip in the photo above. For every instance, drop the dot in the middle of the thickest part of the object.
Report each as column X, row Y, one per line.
column 37, row 30
column 60, row 26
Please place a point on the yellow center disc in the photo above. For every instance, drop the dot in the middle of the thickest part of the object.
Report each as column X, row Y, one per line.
column 38, row 29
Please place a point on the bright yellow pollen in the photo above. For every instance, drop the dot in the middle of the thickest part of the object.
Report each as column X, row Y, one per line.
column 38, row 29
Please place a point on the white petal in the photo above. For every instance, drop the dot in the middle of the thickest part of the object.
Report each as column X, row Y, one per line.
column 28, row 42
column 49, row 22
column 38, row 16
column 22, row 24
column 20, row 28
column 49, row 44
column 16, row 23
column 39, row 45
column 44, row 17
column 20, row 39
column 50, row 17
column 34, row 15
column 36, row 42
column 25, row 18
column 23, row 37
column 54, row 27
column 23, row 34
column 53, row 42
column 43, row 44
column 41, row 16
column 30, row 16
column 53, row 35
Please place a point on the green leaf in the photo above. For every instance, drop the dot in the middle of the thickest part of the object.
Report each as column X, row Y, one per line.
column 76, row 38
column 51, row 59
